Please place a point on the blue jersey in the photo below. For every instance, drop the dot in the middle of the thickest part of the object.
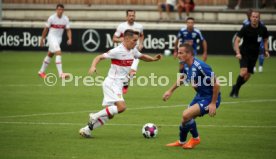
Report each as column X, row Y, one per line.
column 201, row 77
column 190, row 37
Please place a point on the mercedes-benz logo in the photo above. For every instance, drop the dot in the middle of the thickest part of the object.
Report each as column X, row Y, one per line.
column 90, row 40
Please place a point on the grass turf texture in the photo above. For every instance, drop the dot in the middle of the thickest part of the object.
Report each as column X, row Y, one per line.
column 38, row 121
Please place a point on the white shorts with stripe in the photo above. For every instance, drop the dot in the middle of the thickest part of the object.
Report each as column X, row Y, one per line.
column 112, row 90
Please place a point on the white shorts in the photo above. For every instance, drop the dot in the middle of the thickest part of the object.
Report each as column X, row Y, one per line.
column 54, row 44
column 112, row 90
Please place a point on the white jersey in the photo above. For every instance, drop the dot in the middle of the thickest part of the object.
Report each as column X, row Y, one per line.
column 124, row 26
column 121, row 61
column 57, row 25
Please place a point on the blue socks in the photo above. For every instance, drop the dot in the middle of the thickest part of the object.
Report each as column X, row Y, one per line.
column 188, row 127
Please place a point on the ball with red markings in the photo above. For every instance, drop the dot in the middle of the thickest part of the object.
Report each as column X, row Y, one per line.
column 149, row 130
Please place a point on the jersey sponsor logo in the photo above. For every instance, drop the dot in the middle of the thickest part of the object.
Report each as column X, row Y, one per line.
column 57, row 26
column 122, row 62
column 91, row 40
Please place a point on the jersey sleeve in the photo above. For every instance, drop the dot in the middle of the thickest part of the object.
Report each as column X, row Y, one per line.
column 179, row 35
column 241, row 33
column 111, row 54
column 137, row 54
column 118, row 31
column 67, row 26
column 142, row 30
column 49, row 22
column 200, row 36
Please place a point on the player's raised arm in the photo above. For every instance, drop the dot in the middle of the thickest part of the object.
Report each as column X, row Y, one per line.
column 95, row 61
column 148, row 58
column 44, row 33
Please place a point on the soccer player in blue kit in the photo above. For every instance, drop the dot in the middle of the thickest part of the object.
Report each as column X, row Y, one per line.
column 190, row 35
column 207, row 98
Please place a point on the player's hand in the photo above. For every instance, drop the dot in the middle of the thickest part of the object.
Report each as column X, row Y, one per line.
column 204, row 57
column 167, row 95
column 41, row 42
column 157, row 57
column 131, row 74
column 69, row 42
column 140, row 47
column 92, row 70
column 238, row 56
column 212, row 109
column 267, row 55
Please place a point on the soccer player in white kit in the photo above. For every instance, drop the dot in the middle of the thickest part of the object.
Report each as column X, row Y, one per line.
column 55, row 25
column 121, row 60
column 118, row 37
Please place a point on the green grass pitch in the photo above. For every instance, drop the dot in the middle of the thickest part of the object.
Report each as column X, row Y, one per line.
column 38, row 121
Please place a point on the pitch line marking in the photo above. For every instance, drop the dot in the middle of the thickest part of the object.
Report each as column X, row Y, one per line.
column 139, row 125
column 142, row 108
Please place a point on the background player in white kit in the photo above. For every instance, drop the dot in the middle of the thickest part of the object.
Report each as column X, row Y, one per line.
column 121, row 60
column 118, row 37
column 55, row 25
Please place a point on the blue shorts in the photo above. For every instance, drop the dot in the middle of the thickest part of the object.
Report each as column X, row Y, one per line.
column 163, row 6
column 203, row 103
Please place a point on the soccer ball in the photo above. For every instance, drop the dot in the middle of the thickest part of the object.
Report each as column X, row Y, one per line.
column 149, row 130
column 167, row 52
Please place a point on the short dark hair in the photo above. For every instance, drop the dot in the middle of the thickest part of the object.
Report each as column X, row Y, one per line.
column 129, row 10
column 130, row 33
column 190, row 18
column 188, row 47
column 60, row 5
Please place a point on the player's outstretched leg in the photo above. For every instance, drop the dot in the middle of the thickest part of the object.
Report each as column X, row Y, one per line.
column 98, row 119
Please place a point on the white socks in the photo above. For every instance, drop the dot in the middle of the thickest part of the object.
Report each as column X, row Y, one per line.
column 59, row 64
column 108, row 111
column 45, row 64
column 134, row 65
column 102, row 117
column 100, row 122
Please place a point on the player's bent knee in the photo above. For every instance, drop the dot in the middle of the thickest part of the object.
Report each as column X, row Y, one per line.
column 185, row 118
column 121, row 108
column 50, row 54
